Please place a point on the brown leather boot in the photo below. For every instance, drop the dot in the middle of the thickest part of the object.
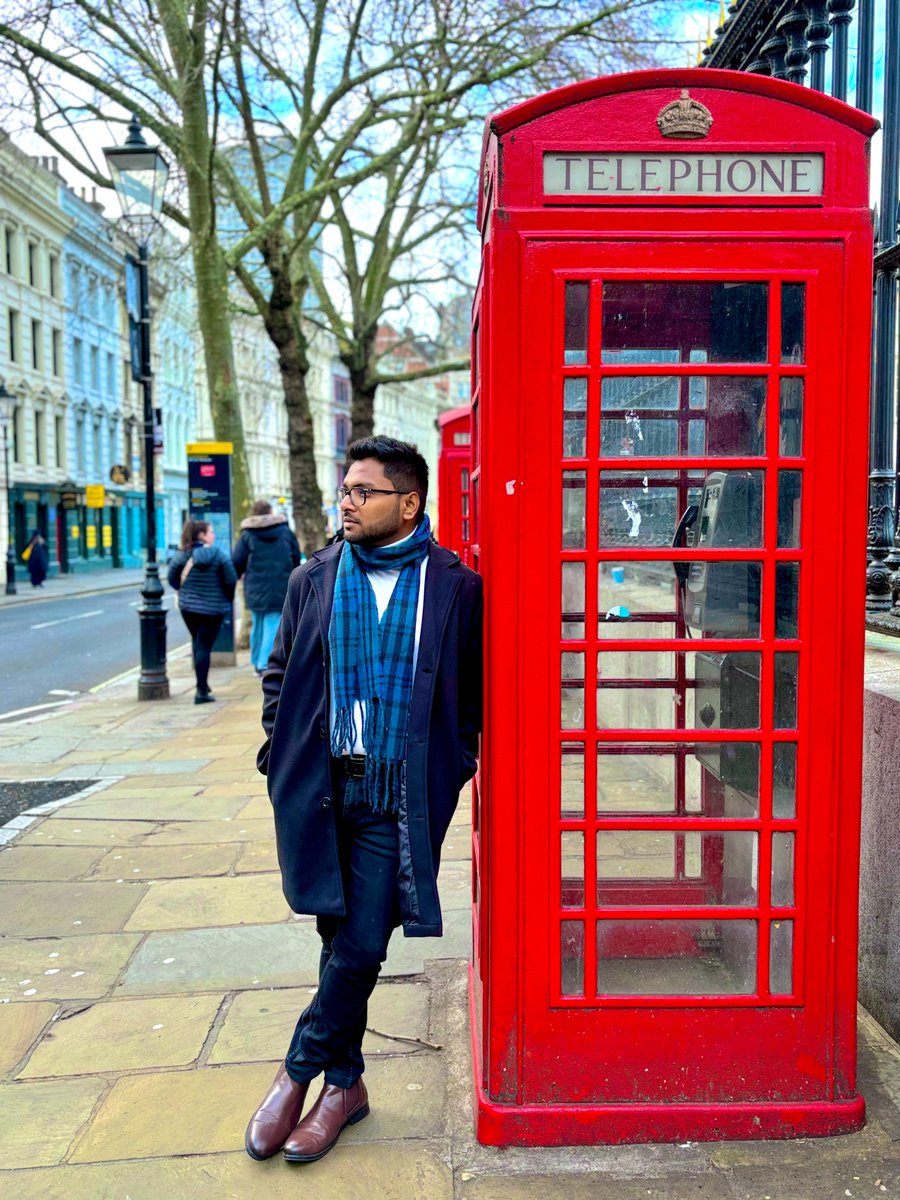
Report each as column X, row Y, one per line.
column 276, row 1116
column 321, row 1127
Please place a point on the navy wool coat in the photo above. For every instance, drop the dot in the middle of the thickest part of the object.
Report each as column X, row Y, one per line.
column 444, row 723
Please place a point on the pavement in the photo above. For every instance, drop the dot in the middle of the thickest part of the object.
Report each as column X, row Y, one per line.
column 88, row 584
column 151, row 974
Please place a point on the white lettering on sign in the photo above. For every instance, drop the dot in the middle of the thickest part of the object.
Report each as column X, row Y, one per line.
column 589, row 174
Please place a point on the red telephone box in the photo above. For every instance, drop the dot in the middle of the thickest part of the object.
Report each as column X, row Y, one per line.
column 669, row 493
column 454, row 480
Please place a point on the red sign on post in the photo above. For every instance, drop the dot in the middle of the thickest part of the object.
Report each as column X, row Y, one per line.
column 668, row 496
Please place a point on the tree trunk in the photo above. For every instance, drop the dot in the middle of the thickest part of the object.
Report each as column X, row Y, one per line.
column 283, row 325
column 362, row 405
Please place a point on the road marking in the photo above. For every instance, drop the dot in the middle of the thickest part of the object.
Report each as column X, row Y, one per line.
column 97, row 612
column 20, row 712
column 62, row 692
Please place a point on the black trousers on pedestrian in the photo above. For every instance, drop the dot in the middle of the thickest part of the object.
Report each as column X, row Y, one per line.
column 204, row 629
column 330, row 1031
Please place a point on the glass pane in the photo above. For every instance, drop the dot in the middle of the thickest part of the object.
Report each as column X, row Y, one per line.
column 643, row 509
column 650, row 689
column 640, row 868
column 683, row 322
column 572, row 952
column 787, row 599
column 676, row 958
column 635, row 420
column 784, row 781
column 782, row 870
column 785, row 706
column 793, row 303
column 574, row 418
column 721, row 599
column 572, row 600
column 637, row 599
column 730, row 511
column 781, row 958
column 576, row 323
column 571, row 783
column 572, row 869
column 789, row 488
column 790, row 435
column 573, row 531
column 572, row 691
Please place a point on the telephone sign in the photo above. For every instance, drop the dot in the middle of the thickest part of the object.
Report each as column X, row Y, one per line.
column 667, row 491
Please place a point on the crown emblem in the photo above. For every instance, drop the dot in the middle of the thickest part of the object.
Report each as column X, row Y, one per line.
column 684, row 118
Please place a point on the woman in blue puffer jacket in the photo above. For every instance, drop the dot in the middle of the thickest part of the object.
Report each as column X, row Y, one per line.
column 205, row 579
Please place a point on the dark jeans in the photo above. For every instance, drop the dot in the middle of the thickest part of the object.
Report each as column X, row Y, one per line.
column 204, row 629
column 329, row 1034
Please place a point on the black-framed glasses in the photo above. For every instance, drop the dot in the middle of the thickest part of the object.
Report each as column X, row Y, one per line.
column 359, row 495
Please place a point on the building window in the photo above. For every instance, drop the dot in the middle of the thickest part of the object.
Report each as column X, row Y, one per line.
column 59, row 439
column 8, row 255
column 113, row 442
column 33, row 264
column 18, row 432
column 95, row 369
column 54, row 276
column 37, row 347
column 341, row 390
column 78, row 360
column 98, row 453
column 79, row 442
column 40, row 434
column 342, row 428
column 13, row 330
column 110, row 376
column 56, row 351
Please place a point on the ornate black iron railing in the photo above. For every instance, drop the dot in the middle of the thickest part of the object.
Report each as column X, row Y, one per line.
column 831, row 45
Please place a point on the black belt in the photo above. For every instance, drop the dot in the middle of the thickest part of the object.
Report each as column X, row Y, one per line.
column 351, row 765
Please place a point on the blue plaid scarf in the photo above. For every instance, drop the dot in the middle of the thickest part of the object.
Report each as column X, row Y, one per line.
column 372, row 662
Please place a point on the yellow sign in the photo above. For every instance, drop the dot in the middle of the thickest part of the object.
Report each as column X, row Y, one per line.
column 95, row 495
column 107, row 536
column 196, row 448
column 91, row 531
column 74, row 531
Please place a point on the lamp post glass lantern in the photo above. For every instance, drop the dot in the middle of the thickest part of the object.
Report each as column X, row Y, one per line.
column 139, row 173
column 6, row 415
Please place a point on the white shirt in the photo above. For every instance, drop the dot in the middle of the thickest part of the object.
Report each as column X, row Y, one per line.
column 383, row 584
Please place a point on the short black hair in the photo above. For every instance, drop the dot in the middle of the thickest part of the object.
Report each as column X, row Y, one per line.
column 403, row 464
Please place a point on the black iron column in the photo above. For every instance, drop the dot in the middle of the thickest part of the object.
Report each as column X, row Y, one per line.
column 11, row 589
column 865, row 42
column 881, row 477
column 840, row 18
column 153, row 683
column 818, row 31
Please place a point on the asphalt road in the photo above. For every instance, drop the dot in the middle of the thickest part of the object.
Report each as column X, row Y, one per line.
column 52, row 650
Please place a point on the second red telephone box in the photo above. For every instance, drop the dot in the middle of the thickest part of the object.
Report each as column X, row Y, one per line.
column 669, row 494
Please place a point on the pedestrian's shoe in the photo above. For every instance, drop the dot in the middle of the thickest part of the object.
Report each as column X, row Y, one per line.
column 320, row 1128
column 276, row 1116
column 204, row 698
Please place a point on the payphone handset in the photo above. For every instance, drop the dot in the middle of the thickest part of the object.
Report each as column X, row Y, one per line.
column 722, row 599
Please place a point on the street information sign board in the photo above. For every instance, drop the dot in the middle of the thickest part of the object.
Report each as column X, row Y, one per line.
column 209, row 499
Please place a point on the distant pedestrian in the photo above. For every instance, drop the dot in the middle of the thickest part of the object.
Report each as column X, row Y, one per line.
column 36, row 556
column 265, row 554
column 203, row 576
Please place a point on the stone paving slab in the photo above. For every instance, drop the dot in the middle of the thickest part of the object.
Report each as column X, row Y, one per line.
column 258, row 856
column 39, row 1121
column 20, row 1025
column 48, row 862
column 82, row 966
column 156, row 806
column 125, row 1035
column 35, row 909
column 166, row 862
column 360, row 1172
column 259, row 1024
column 203, row 903
column 457, row 844
column 599, row 1187
column 241, row 830
column 62, row 830
column 206, row 1110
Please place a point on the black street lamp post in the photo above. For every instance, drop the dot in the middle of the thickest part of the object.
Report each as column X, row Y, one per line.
column 139, row 173
column 6, row 413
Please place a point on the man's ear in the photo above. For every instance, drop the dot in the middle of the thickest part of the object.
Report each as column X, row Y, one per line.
column 411, row 506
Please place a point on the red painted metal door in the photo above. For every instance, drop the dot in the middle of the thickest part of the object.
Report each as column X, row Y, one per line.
column 682, row 462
